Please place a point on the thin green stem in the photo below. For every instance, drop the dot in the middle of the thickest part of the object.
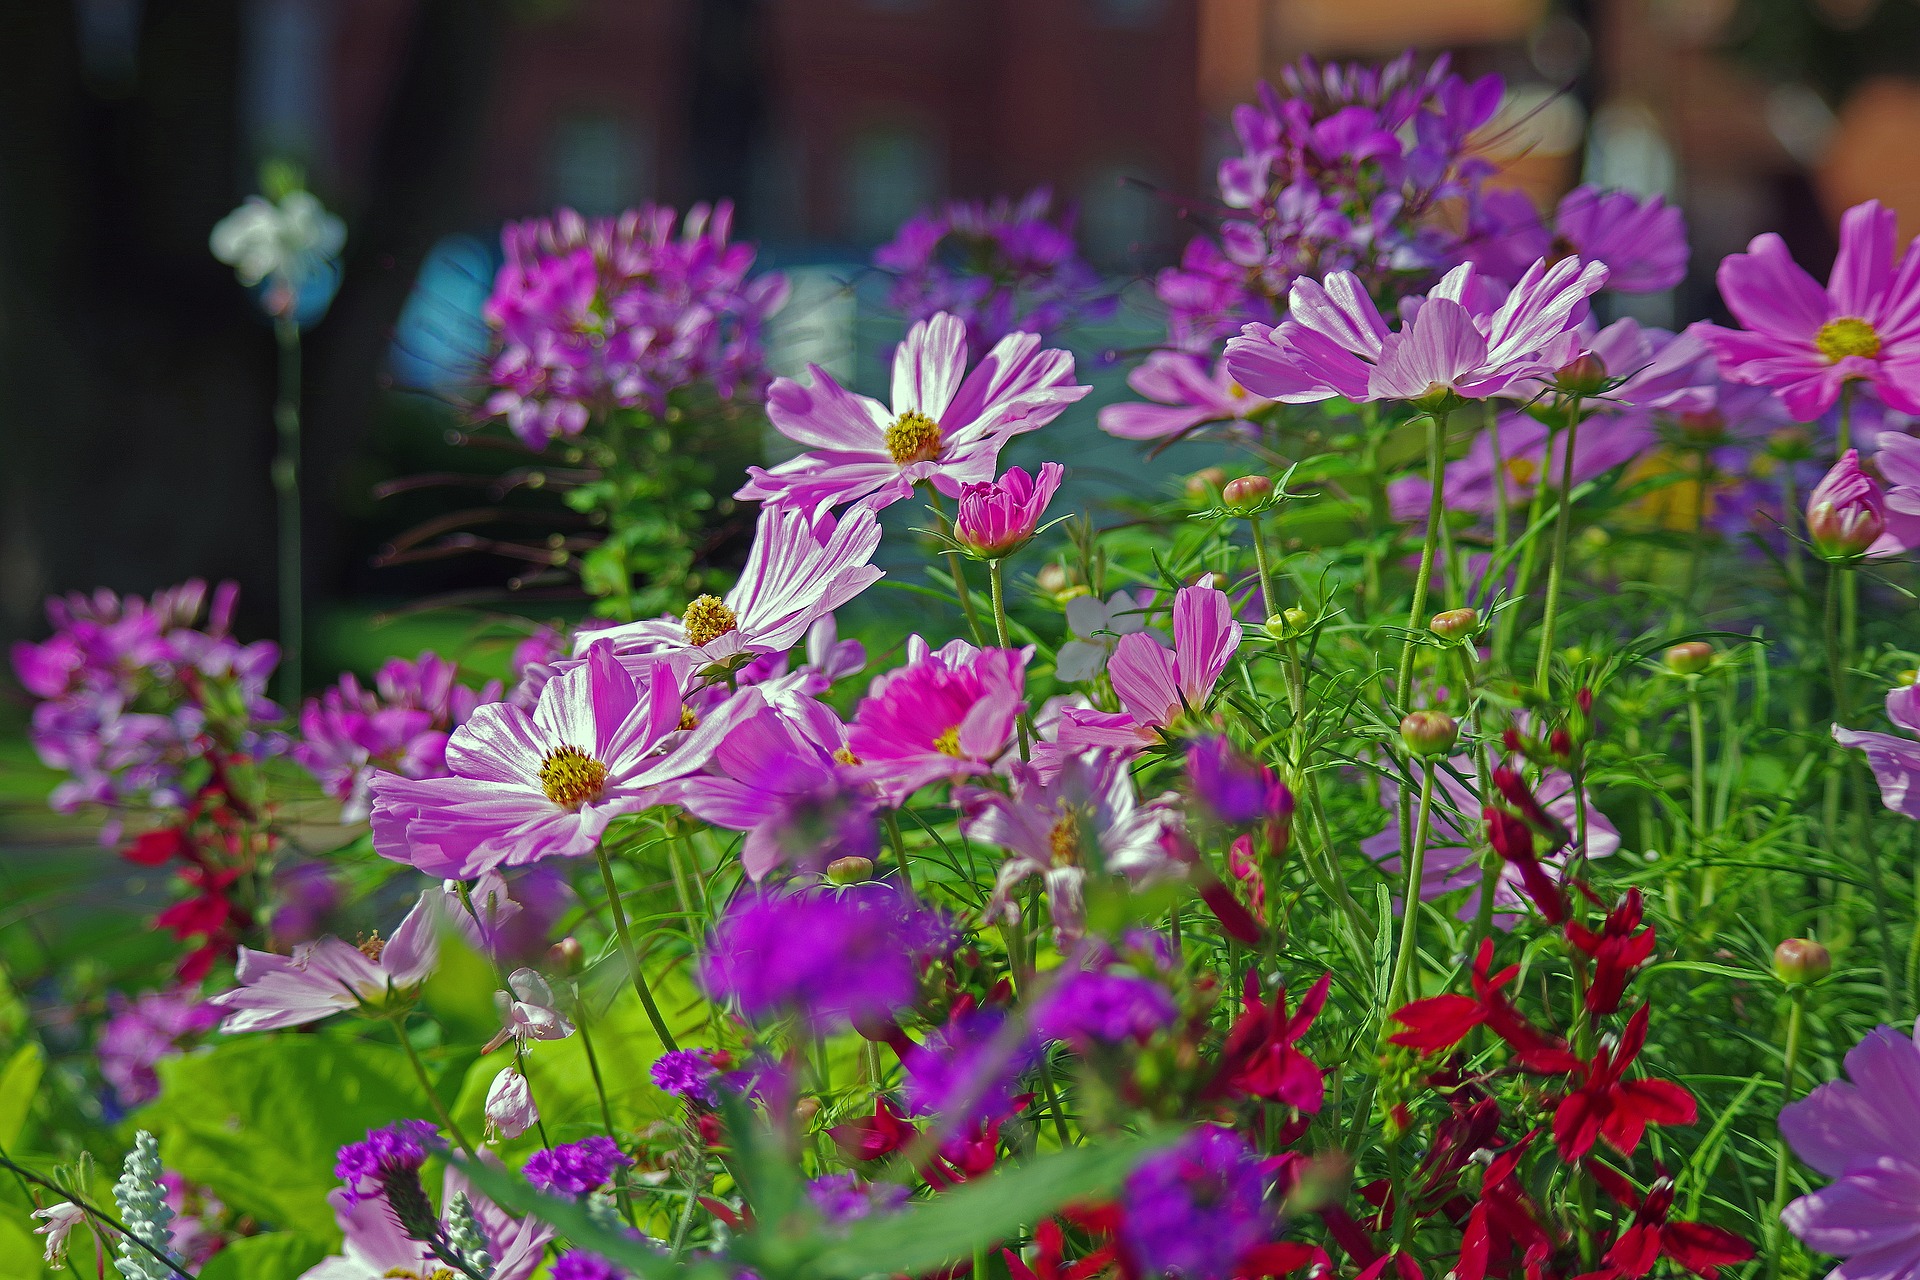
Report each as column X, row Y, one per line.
column 1006, row 641
column 1783, row 1154
column 426, row 1083
column 1436, row 512
column 1557, row 565
column 1403, row 961
column 286, row 486
column 627, row 949
column 92, row 1211
column 625, row 1193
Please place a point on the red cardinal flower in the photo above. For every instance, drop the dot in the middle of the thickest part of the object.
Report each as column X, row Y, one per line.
column 884, row 1133
column 1503, row 1223
column 1609, row 1106
column 1259, row 1060
column 1049, row 1262
column 1440, row 1022
column 1696, row 1246
column 1618, row 948
column 1512, row 839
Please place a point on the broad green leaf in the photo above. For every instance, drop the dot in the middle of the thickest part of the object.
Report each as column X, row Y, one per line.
column 947, row 1228
column 280, row 1256
column 19, row 1085
column 259, row 1120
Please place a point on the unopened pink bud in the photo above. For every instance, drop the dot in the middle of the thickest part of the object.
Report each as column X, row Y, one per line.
column 1846, row 513
column 1429, row 733
column 1246, row 493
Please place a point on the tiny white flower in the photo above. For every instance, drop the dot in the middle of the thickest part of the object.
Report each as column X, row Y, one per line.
column 59, row 1220
column 287, row 241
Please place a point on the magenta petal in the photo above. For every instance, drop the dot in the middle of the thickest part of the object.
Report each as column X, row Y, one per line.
column 928, row 367
column 1769, row 292
column 1896, row 767
column 1864, row 265
column 1144, row 679
column 1205, row 636
column 826, row 415
column 414, row 950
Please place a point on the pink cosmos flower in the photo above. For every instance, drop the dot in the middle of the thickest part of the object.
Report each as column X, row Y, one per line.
column 945, row 714
column 1899, row 463
column 797, row 572
column 1159, row 687
column 999, row 518
column 1187, row 396
column 945, row 425
column 329, row 976
column 1846, row 512
column 1643, row 243
column 1084, row 818
column 1451, row 864
column 1895, row 761
column 375, row 1246
column 526, row 787
column 1807, row 342
column 1334, row 342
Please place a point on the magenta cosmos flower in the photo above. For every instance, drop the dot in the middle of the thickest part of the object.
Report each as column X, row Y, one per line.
column 1642, row 242
column 945, row 426
column 329, row 976
column 999, row 518
column 945, row 714
column 1186, row 396
column 1899, row 463
column 526, row 787
column 1863, row 1133
column 1806, row 342
column 1334, row 342
column 1084, row 818
column 1846, row 512
column 1895, row 761
column 1159, row 688
column 797, row 573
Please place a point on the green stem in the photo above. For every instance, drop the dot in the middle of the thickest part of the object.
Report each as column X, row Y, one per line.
column 286, row 485
column 426, row 1083
column 1436, row 512
column 633, row 956
column 1410, row 910
column 1697, row 738
column 1006, row 641
column 959, row 574
column 1783, row 1154
column 606, row 1111
column 1557, row 566
column 92, row 1211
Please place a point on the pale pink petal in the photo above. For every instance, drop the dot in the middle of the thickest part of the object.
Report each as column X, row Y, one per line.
column 929, row 366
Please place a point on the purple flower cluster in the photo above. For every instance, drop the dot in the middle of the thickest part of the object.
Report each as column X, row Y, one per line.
column 622, row 313
column 397, row 1152
column 1196, row 1210
column 400, row 725
column 1232, row 789
column 575, row 1168
column 132, row 689
column 1001, row 267
column 844, row 1197
column 968, row 1070
column 1094, row 1006
column 1347, row 172
column 829, row 957
column 577, row 1264
column 143, row 1031
column 689, row 1074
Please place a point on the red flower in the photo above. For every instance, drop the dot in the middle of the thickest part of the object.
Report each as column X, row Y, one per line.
column 1617, row 949
column 1440, row 1022
column 1512, row 839
column 1609, row 1106
column 204, row 913
column 1696, row 1246
column 1502, row 1224
column 1282, row 1258
column 156, row 848
column 1259, row 1060
column 869, row 1139
column 1516, row 792
column 1049, row 1261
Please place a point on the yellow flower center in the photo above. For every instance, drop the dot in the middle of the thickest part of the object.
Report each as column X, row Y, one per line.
column 1064, row 840
column 1237, row 391
column 571, row 777
column 1522, row 470
column 407, row 1273
column 948, row 743
column 846, row 757
column 1846, row 336
column 372, row 945
column 688, row 720
column 707, row 619
column 914, row 438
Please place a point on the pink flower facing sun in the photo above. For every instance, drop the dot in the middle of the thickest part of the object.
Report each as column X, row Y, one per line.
column 1160, row 688
column 526, row 787
column 1083, row 819
column 945, row 426
column 1895, row 761
column 997, row 519
column 945, row 714
column 797, row 573
column 1807, row 342
column 1334, row 341
column 1187, row 397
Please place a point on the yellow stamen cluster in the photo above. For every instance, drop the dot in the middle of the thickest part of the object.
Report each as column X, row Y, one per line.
column 372, row 945
column 914, row 438
column 948, row 743
column 846, row 757
column 1847, row 336
column 1064, row 840
column 571, row 777
column 688, row 720
column 707, row 619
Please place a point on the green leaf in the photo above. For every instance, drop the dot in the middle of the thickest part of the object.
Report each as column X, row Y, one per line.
column 259, row 1120
column 19, row 1085
column 947, row 1228
column 280, row 1256
column 569, row 1218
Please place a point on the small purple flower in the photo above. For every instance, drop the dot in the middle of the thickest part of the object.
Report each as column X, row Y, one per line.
column 393, row 1154
column 143, row 1031
column 830, row 957
column 1195, row 1211
column 575, row 1168
column 1895, row 761
column 1092, row 1007
column 967, row 1071
column 689, row 1074
column 1232, row 789
column 844, row 1197
column 577, row 1264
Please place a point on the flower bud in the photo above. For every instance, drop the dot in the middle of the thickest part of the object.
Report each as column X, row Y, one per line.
column 1429, row 733
column 1454, row 624
column 1246, row 493
column 510, row 1109
column 1203, row 484
column 1586, row 376
column 850, row 870
column 1798, row 961
column 1053, row 578
column 1689, row 659
column 566, row 956
column 805, row 1110
column 1846, row 513
column 1289, row 623
column 996, row 519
